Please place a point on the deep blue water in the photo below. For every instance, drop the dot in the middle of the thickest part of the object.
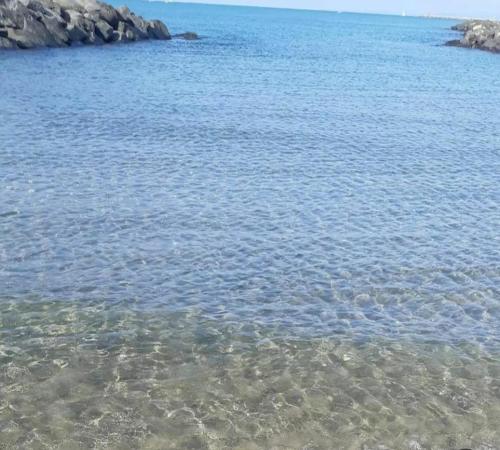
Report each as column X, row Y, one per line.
column 295, row 181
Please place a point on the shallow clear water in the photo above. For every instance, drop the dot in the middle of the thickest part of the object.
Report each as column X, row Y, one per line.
column 283, row 236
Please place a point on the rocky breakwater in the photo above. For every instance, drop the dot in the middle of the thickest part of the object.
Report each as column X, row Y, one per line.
column 60, row 23
column 481, row 34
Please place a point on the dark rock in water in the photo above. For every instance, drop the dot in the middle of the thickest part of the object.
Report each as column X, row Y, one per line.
column 188, row 36
column 158, row 30
column 481, row 34
column 454, row 43
column 58, row 23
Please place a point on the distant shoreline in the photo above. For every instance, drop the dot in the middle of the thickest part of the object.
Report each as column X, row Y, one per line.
column 375, row 13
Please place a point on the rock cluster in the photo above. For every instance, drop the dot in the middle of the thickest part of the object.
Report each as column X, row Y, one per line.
column 57, row 23
column 482, row 34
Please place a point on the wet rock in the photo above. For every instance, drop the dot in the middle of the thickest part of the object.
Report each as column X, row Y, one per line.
column 158, row 30
column 57, row 23
column 480, row 34
column 454, row 43
column 187, row 36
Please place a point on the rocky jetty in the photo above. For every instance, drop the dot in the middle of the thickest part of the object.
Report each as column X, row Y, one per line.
column 60, row 23
column 481, row 34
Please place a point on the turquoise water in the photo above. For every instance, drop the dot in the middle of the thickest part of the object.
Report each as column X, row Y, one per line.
column 282, row 236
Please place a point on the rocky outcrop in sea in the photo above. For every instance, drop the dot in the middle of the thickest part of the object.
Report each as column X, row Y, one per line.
column 481, row 34
column 59, row 23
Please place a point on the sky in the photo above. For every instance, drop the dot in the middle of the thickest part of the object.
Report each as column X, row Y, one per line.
column 452, row 8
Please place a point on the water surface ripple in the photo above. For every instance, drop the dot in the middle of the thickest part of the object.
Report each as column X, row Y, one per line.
column 283, row 236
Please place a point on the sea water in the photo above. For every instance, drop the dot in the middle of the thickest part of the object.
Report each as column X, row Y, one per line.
column 285, row 235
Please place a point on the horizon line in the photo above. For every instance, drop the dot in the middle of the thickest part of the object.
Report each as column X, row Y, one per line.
column 338, row 11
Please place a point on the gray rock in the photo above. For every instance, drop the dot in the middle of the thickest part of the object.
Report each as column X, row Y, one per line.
column 131, row 34
column 187, row 36
column 109, row 15
column 74, row 5
column 56, row 26
column 122, row 30
column 12, row 14
column 54, row 7
column 73, row 16
column 36, row 6
column 118, row 36
column 124, row 13
column 88, row 25
column 481, row 34
column 492, row 44
column 128, row 33
column 51, row 23
column 33, row 33
column 7, row 43
column 93, row 16
column 140, row 25
column 76, row 34
column 158, row 30
column 104, row 30
column 93, row 39
column 104, row 12
column 75, row 25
